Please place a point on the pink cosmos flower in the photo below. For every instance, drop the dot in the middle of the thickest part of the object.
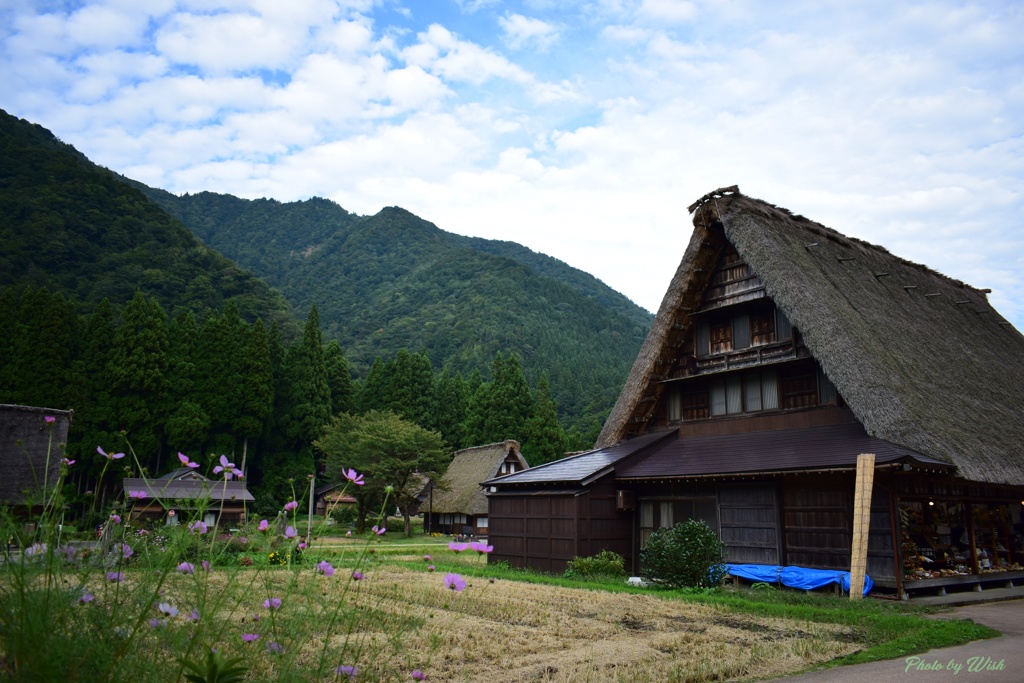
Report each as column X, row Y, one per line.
column 418, row 675
column 168, row 609
column 291, row 505
column 431, row 568
column 379, row 531
column 353, row 477
column 457, row 547
column 348, row 534
column 289, row 532
column 325, row 568
column 187, row 568
column 186, row 462
column 67, row 462
column 206, row 565
column 199, row 527
column 49, row 419
column 115, row 518
column 193, row 616
column 455, row 582
column 156, row 623
column 346, row 670
column 112, row 456
column 86, row 598
column 272, row 603
column 275, row 648
column 137, row 495
column 302, row 545
column 481, row 547
column 116, row 577
column 357, row 576
column 264, row 526
column 250, row 637
column 426, row 558
column 125, row 550
column 227, row 467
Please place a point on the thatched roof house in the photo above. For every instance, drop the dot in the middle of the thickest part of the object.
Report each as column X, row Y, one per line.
column 922, row 360
column 26, row 439
column 781, row 352
column 460, row 501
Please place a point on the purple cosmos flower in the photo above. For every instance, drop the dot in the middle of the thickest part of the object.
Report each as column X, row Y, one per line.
column 50, row 419
column 193, row 616
column 168, row 609
column 227, row 467
column 348, row 534
column 115, row 518
column 481, row 547
column 272, row 603
column 302, row 545
column 431, row 568
column 357, row 576
column 86, row 598
column 156, row 623
column 125, row 550
column 426, row 558
column 69, row 553
column 346, row 670
column 353, row 477
column 67, row 462
column 455, row 582
column 137, row 495
column 206, row 565
column 418, row 675
column 116, row 577
column 291, row 505
column 111, row 456
column 199, row 527
column 457, row 547
column 325, row 568
column 186, row 462
column 379, row 531
column 255, row 617
column 275, row 648
column 289, row 532
column 264, row 526
column 250, row 637
column 35, row 549
column 187, row 568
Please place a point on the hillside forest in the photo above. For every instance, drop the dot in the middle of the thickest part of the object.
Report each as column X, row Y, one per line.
column 140, row 379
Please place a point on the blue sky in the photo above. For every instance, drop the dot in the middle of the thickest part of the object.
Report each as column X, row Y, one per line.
column 582, row 130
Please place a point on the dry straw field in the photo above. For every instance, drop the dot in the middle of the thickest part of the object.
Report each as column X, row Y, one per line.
column 510, row 631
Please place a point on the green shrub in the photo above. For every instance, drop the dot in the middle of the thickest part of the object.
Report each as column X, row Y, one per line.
column 344, row 515
column 605, row 564
column 690, row 554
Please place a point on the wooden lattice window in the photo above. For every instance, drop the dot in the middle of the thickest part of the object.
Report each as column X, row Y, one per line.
column 799, row 391
column 696, row 406
column 721, row 336
column 762, row 328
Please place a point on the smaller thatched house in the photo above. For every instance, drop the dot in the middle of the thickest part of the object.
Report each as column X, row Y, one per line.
column 183, row 494
column 31, row 447
column 459, row 504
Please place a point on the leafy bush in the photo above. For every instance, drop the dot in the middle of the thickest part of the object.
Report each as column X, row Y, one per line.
column 606, row 564
column 689, row 554
column 344, row 515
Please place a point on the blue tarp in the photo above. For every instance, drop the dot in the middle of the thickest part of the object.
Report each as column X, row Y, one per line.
column 795, row 577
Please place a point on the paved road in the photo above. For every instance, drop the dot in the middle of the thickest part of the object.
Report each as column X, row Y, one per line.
column 997, row 660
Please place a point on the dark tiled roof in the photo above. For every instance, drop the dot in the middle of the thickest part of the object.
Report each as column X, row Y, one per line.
column 816, row 448
column 200, row 487
column 580, row 468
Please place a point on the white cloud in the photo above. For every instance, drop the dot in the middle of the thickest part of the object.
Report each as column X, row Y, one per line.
column 521, row 32
column 667, row 10
column 441, row 52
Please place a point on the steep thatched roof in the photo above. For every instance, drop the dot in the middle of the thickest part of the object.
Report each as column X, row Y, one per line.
column 460, row 491
column 26, row 438
column 922, row 360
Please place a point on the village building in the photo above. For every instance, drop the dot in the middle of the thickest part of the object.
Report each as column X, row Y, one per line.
column 458, row 504
column 183, row 495
column 32, row 444
column 782, row 351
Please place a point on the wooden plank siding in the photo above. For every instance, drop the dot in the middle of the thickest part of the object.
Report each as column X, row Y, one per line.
column 817, row 521
column 748, row 515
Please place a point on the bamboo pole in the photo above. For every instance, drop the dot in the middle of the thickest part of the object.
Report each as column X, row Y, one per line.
column 861, row 523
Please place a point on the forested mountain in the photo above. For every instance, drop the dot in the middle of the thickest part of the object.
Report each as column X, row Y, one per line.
column 392, row 281
column 76, row 228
